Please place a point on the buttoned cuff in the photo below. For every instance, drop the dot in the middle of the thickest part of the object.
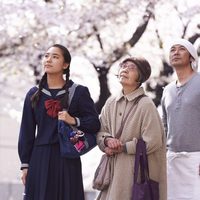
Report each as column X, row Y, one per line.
column 124, row 148
column 101, row 138
column 131, row 146
column 105, row 139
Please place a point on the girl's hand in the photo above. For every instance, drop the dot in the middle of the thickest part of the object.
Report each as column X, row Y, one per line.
column 66, row 117
column 24, row 175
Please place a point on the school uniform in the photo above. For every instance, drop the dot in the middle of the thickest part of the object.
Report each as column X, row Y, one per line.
column 50, row 176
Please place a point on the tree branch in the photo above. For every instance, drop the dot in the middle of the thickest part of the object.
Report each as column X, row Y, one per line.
column 98, row 36
column 119, row 52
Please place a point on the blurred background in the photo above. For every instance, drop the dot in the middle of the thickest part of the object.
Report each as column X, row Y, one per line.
column 99, row 34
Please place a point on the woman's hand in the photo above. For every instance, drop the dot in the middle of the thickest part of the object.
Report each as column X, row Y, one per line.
column 66, row 117
column 114, row 144
column 24, row 175
column 109, row 151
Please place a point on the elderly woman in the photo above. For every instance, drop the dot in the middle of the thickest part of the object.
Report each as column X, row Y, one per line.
column 142, row 120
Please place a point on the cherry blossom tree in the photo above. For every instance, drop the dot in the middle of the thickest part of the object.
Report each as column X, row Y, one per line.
column 101, row 32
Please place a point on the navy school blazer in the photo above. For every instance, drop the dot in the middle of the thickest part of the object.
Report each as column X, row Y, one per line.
column 38, row 128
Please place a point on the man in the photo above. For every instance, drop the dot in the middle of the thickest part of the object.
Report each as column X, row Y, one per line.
column 181, row 118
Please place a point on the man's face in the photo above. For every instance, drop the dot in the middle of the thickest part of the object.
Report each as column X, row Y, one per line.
column 179, row 56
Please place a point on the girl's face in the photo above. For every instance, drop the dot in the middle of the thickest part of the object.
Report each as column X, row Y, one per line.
column 128, row 74
column 53, row 61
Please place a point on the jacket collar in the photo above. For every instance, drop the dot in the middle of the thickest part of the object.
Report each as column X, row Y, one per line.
column 132, row 95
column 46, row 90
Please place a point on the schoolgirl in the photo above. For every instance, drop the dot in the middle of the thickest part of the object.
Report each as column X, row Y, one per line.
column 45, row 174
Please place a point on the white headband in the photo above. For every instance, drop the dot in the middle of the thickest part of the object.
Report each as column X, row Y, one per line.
column 189, row 46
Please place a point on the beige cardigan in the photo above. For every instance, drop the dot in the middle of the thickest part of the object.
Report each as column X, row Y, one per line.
column 144, row 121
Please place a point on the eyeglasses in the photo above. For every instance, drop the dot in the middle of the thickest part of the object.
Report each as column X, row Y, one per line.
column 129, row 66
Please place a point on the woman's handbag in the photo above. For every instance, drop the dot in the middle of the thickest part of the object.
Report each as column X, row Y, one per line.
column 102, row 175
column 147, row 189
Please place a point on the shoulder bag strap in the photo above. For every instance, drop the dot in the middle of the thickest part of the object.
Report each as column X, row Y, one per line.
column 119, row 132
column 145, row 161
column 138, row 154
column 141, row 161
column 71, row 93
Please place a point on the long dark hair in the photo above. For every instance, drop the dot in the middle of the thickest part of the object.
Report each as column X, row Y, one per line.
column 67, row 57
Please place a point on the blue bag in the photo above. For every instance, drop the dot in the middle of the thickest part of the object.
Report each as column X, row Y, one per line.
column 74, row 142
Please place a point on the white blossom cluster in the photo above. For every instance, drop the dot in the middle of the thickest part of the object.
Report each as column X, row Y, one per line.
column 91, row 29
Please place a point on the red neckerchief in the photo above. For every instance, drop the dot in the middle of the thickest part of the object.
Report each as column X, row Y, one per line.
column 53, row 107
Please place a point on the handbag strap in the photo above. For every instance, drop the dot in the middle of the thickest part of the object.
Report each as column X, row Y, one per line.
column 136, row 100
column 141, row 161
column 71, row 93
